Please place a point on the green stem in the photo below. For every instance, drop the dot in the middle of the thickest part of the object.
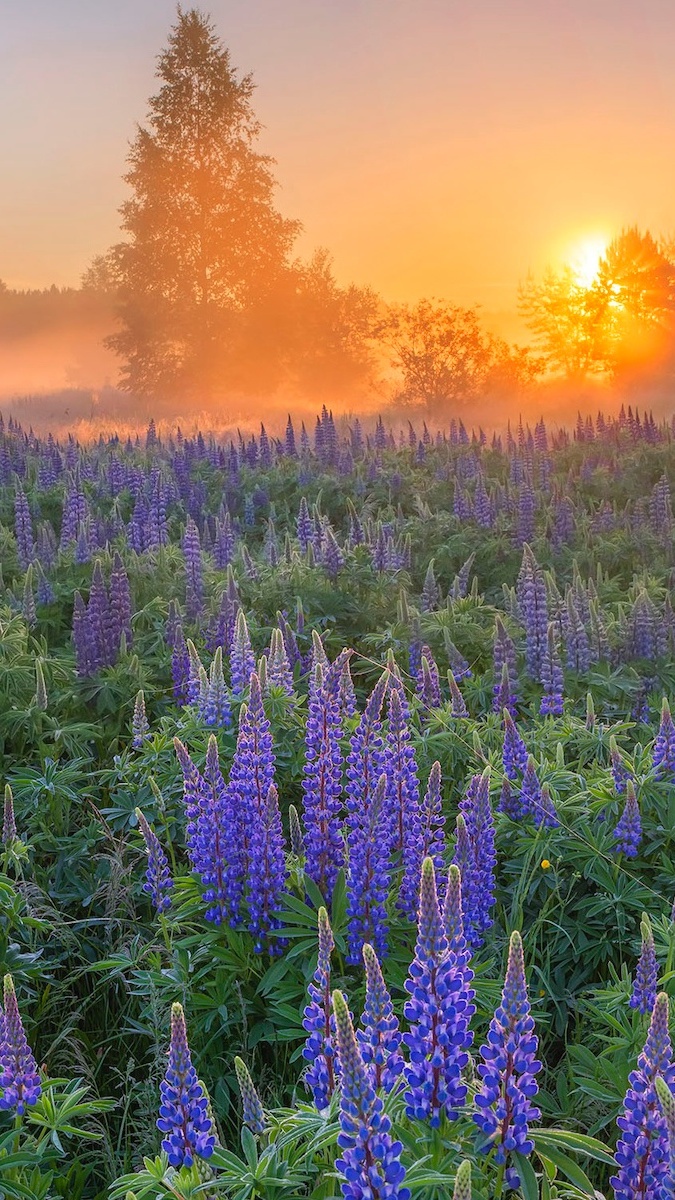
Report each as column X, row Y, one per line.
column 499, row 1181
column 164, row 926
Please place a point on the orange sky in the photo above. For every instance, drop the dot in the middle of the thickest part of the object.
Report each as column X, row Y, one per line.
column 437, row 147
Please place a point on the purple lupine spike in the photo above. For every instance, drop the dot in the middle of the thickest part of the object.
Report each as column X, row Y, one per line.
column 643, row 995
column 439, row 1011
column 252, row 770
column 195, row 683
column 322, row 783
column 194, row 799
column 458, row 709
column 221, row 868
column 453, row 920
column 23, row 528
column 663, row 753
column 379, row 1037
column 642, row 1151
column 183, row 1108
column 83, row 642
column 620, row 772
column 667, row 1105
column 369, row 1160
column 98, row 611
column 296, row 835
column 305, row 525
column 279, row 672
column 318, row 1020
column 427, row 841
column 253, row 1114
column 403, row 793
column 428, row 685
column 180, row 667
column 20, row 1085
column 509, row 801
column 215, row 710
column 158, row 881
column 431, row 592
column 347, row 693
column 505, row 689
column 479, row 871
column 194, row 577
column 628, row 832
column 547, row 815
column 242, row 658
column 504, row 1102
column 530, row 791
column 515, row 755
column 368, row 872
column 28, row 600
column 140, row 727
column 120, row 602
column 332, row 557
column 459, row 667
column 266, row 883
column 551, row 675
column 9, row 833
column 531, row 591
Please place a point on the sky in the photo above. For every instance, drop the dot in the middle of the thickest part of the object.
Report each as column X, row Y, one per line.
column 435, row 147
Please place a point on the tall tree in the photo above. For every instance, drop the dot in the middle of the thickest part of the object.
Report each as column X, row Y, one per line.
column 566, row 322
column 205, row 242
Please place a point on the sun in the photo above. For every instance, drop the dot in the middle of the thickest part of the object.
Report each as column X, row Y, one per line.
column 584, row 258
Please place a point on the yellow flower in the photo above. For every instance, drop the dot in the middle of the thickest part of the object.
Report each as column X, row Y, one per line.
column 545, row 864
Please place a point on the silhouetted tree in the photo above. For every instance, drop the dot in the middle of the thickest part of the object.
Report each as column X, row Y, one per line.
column 446, row 359
column 566, row 322
column 205, row 242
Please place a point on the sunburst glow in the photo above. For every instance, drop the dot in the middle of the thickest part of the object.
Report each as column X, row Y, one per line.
column 585, row 258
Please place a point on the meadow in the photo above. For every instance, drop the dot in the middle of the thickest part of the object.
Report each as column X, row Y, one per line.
column 337, row 852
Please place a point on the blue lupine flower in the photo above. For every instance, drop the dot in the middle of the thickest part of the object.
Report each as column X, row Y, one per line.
column 475, row 856
column 530, row 791
column 242, row 658
column 267, row 874
column 322, row 783
column 253, row 1114
column 318, row 1020
column 194, row 579
column 158, row 881
column 663, row 753
column 628, row 832
column 403, row 791
column 620, row 772
column 140, row 726
column 505, row 690
column 439, row 1011
column 504, row 1102
column 379, row 1037
column 427, row 840
column 551, row 675
column 183, row 1108
column 547, row 814
column 458, row 708
column 20, row 1085
column 369, row 1160
column 368, row 873
column 531, row 591
column 643, row 996
column 515, row 751
column 642, row 1152
column 667, row 1105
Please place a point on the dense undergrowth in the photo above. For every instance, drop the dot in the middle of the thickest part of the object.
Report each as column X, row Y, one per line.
column 508, row 609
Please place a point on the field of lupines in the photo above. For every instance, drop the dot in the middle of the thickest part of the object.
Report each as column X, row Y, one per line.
column 337, row 842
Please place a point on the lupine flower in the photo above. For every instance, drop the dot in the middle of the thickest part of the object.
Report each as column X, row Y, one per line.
column 214, row 705
column 140, row 726
column 465, row 860
column 531, row 591
column 279, row 672
column 643, row 1151
column 547, row 814
column 347, row 692
column 252, row 769
column 458, row 708
column 514, row 751
column 427, row 841
column 28, row 600
column 379, row 1036
column 295, row 829
column 19, row 1079
column 663, row 753
column 462, row 1188
column 9, row 833
column 504, row 1102
column 369, row 1160
column 318, row 1020
column 505, row 690
column 180, row 667
column 439, row 1011
column 428, row 682
column 368, row 873
column 194, row 578
column 267, row 874
column 620, row 772
column 643, row 996
column 242, row 659
column 551, row 675
column 666, row 1101
column 158, row 881
column 23, row 528
column 253, row 1114
column 479, row 872
column 183, row 1109
column 322, row 783
column 403, row 792
column 628, row 832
